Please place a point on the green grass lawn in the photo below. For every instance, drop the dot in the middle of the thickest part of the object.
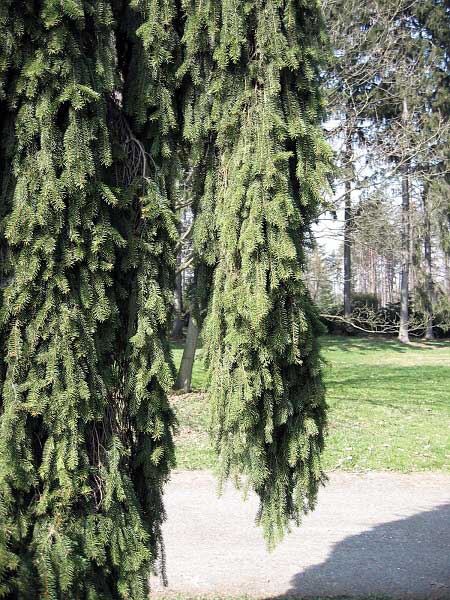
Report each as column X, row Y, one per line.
column 389, row 407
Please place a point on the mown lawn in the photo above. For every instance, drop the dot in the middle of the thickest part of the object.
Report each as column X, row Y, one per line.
column 389, row 407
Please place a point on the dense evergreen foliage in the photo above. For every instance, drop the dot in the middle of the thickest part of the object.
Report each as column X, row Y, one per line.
column 104, row 105
column 434, row 17
column 267, row 167
column 85, row 439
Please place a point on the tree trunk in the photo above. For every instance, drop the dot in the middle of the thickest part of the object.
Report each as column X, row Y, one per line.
column 347, row 234
column 390, row 275
column 177, row 329
column 429, row 335
column 184, row 378
column 403, row 334
column 447, row 272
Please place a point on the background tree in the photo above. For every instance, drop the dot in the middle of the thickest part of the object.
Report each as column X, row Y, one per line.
column 320, row 279
column 389, row 125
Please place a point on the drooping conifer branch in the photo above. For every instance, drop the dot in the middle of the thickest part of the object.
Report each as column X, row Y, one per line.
column 259, row 198
column 85, row 426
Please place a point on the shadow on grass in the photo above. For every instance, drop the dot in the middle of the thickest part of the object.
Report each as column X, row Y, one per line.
column 377, row 343
column 400, row 387
column 408, row 558
column 365, row 344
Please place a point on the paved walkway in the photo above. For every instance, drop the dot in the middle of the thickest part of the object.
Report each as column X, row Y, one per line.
column 380, row 533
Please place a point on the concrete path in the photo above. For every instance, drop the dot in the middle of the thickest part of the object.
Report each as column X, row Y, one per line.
column 380, row 533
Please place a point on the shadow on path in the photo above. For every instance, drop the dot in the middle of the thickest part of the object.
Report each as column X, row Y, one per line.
column 408, row 558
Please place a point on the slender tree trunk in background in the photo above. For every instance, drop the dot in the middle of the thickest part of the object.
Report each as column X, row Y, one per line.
column 177, row 329
column 385, row 285
column 415, row 249
column 447, row 272
column 177, row 326
column 373, row 272
column 390, row 281
column 429, row 335
column 403, row 333
column 184, row 378
column 347, row 234
column 405, row 268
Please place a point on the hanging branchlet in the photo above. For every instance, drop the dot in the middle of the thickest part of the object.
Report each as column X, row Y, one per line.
column 146, row 271
column 62, row 246
column 261, row 192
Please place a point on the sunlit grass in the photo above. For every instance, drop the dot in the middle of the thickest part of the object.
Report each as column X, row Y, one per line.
column 389, row 407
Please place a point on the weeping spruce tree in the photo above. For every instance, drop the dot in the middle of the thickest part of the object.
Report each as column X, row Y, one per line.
column 104, row 103
column 267, row 168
